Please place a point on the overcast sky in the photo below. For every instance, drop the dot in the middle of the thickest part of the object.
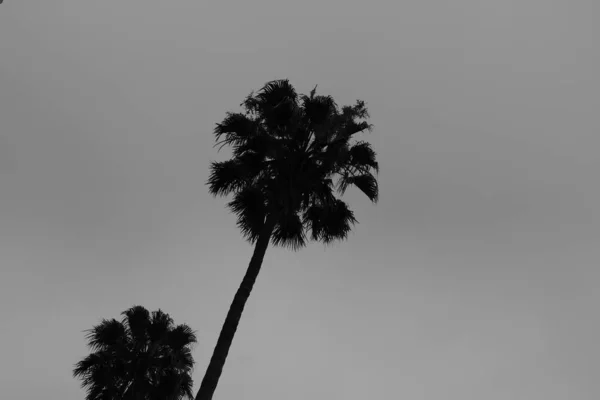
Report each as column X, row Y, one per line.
column 475, row 277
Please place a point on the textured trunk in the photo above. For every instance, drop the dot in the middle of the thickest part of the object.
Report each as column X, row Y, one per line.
column 217, row 361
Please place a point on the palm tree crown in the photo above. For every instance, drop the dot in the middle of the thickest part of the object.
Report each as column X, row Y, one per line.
column 143, row 357
column 292, row 154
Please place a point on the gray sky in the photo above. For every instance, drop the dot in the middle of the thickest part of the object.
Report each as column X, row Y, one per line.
column 476, row 276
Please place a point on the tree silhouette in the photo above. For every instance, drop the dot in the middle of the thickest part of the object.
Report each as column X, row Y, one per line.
column 291, row 155
column 143, row 357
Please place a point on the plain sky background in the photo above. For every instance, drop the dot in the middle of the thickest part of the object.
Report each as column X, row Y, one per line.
column 475, row 277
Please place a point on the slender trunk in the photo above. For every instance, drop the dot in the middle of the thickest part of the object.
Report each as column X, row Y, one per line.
column 217, row 361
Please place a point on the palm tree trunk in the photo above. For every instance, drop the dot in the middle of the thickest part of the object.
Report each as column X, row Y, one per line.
column 217, row 361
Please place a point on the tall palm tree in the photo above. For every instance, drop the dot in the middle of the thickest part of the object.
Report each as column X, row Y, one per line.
column 143, row 357
column 291, row 155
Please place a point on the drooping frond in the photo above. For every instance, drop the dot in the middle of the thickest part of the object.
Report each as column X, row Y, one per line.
column 367, row 184
column 329, row 222
column 249, row 206
column 363, row 155
column 289, row 232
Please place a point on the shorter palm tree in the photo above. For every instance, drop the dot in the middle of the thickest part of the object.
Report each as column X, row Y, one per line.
column 143, row 357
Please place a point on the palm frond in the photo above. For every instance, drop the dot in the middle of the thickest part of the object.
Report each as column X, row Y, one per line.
column 319, row 109
column 160, row 325
column 97, row 392
column 180, row 337
column 186, row 384
column 88, row 364
column 276, row 92
column 351, row 128
column 106, row 334
column 172, row 385
column 260, row 146
column 289, row 232
column 331, row 222
column 137, row 319
column 335, row 155
column 356, row 111
column 226, row 177
column 367, row 184
column 95, row 371
column 276, row 102
column 251, row 104
column 362, row 154
column 181, row 360
column 236, row 127
column 322, row 191
column 249, row 206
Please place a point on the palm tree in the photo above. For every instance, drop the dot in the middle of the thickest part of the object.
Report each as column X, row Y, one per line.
column 291, row 155
column 143, row 357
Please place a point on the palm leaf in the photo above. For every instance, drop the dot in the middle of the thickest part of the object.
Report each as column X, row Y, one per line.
column 137, row 319
column 319, row 109
column 181, row 336
column 329, row 222
column 289, row 232
column 160, row 325
column 226, row 177
column 365, row 182
column 362, row 154
column 277, row 92
column 249, row 206
column 236, row 128
column 106, row 334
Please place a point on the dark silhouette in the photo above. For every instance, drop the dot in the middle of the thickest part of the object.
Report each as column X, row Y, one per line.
column 142, row 357
column 291, row 154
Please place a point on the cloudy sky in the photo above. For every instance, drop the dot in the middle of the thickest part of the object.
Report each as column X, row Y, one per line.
column 475, row 277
